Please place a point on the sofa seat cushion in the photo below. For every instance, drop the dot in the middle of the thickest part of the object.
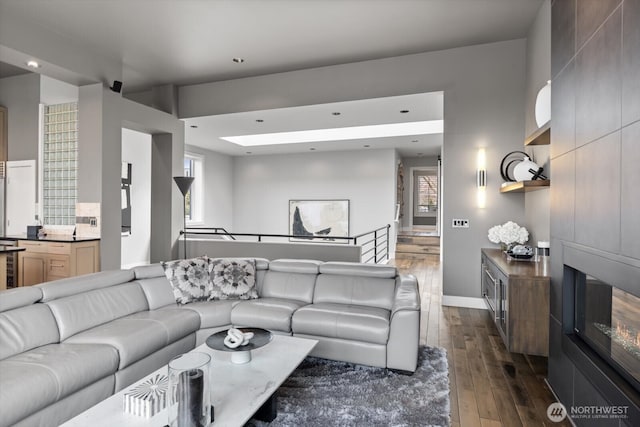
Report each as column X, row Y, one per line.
column 350, row 322
column 268, row 313
column 212, row 313
column 37, row 378
column 133, row 338
column 176, row 323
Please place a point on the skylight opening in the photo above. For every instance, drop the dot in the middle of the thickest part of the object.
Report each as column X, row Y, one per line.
column 339, row 134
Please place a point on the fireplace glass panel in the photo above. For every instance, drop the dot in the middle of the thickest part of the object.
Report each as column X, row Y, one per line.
column 608, row 320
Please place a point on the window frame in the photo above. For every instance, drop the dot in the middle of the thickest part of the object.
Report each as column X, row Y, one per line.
column 197, row 189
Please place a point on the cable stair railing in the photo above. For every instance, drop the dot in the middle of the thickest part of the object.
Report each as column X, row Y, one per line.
column 374, row 244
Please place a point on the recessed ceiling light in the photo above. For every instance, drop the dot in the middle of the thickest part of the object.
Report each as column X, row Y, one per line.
column 194, row 126
column 404, row 111
column 339, row 134
column 259, row 120
column 33, row 64
column 238, row 60
column 336, row 113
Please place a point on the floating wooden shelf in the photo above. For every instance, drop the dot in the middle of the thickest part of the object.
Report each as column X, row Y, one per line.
column 524, row 186
column 542, row 136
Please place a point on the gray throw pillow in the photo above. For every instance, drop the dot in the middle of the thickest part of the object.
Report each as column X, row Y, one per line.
column 233, row 278
column 189, row 278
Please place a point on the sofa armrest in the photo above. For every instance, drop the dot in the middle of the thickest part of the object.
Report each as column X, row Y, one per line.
column 407, row 295
column 404, row 328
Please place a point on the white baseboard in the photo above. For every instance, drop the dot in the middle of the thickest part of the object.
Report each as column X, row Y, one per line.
column 466, row 302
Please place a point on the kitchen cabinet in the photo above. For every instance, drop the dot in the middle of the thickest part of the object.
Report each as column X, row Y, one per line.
column 53, row 259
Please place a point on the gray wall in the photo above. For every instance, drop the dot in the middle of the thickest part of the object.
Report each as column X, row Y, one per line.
column 218, row 187
column 273, row 250
column 594, row 157
column 103, row 114
column 484, row 88
column 263, row 186
column 536, row 203
column 21, row 96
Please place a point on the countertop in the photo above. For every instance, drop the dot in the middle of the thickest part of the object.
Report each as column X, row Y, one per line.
column 513, row 268
column 60, row 238
column 10, row 249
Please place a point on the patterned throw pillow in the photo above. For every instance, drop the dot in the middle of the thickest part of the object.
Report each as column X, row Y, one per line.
column 190, row 279
column 233, row 278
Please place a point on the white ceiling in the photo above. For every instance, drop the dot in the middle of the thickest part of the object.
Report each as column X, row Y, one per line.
column 428, row 106
column 194, row 41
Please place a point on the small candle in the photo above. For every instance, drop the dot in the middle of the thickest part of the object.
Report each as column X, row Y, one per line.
column 190, row 398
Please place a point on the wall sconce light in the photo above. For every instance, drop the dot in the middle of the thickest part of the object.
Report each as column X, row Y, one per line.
column 481, row 178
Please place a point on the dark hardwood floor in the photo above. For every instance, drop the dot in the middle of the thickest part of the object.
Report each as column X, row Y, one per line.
column 490, row 387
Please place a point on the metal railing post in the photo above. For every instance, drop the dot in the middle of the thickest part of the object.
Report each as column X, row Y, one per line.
column 375, row 244
column 388, row 228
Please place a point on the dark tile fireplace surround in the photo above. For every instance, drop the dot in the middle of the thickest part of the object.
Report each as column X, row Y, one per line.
column 590, row 364
column 595, row 205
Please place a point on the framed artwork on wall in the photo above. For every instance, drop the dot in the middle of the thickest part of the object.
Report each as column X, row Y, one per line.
column 319, row 220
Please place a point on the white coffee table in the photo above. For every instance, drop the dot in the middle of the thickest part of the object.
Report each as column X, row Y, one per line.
column 238, row 391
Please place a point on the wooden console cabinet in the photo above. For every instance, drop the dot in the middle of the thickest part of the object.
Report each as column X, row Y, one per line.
column 517, row 296
column 46, row 260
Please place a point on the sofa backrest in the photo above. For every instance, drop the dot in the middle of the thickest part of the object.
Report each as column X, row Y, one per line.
column 78, row 304
column 24, row 324
column 356, row 284
column 155, row 285
column 158, row 290
column 291, row 279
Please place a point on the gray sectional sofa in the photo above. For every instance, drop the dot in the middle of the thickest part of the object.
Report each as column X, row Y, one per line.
column 67, row 345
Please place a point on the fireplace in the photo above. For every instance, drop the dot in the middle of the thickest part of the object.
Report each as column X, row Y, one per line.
column 607, row 319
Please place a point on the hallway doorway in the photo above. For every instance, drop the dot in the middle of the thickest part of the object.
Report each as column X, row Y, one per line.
column 425, row 199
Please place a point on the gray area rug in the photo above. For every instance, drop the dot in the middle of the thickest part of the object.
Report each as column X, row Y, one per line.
column 329, row 393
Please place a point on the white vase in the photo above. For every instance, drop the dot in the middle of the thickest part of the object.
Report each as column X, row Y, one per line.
column 543, row 105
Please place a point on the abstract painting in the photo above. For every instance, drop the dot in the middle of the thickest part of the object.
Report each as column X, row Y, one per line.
column 319, row 220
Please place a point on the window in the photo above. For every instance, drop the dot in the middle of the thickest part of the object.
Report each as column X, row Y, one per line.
column 60, row 164
column 427, row 192
column 194, row 166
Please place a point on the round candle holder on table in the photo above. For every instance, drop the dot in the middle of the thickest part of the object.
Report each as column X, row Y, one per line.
column 189, row 390
column 241, row 354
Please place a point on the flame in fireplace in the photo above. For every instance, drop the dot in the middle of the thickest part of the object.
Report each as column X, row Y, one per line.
column 622, row 335
column 626, row 334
